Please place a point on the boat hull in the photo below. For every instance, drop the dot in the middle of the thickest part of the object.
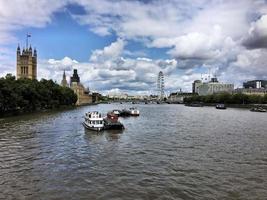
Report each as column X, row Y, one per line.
column 114, row 127
column 135, row 114
column 194, row 105
column 258, row 110
column 92, row 128
column 125, row 113
column 109, row 125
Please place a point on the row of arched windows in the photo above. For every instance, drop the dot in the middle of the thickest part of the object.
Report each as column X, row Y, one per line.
column 24, row 70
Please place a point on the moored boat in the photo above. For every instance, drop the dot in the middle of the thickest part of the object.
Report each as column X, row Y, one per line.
column 220, row 106
column 258, row 109
column 116, row 112
column 93, row 121
column 195, row 104
column 134, row 112
column 125, row 113
column 112, row 122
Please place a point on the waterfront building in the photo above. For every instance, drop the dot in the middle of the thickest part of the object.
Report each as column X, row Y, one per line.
column 251, row 91
column 213, row 87
column 138, row 97
column 83, row 95
column 195, row 86
column 178, row 97
column 118, row 96
column 64, row 81
column 256, row 84
column 26, row 63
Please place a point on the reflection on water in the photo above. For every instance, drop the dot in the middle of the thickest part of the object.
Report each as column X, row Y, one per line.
column 108, row 134
column 168, row 152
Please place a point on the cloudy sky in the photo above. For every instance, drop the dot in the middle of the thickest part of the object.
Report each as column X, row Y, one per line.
column 121, row 45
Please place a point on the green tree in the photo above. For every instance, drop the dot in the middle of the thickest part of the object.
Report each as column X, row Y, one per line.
column 30, row 95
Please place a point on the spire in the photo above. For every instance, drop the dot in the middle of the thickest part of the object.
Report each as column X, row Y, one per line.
column 35, row 52
column 64, row 82
column 30, row 50
column 18, row 49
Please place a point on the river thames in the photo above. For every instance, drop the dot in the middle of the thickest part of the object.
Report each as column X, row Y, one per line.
column 168, row 152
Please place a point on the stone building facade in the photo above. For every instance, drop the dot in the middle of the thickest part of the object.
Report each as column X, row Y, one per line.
column 213, row 87
column 26, row 63
column 83, row 95
column 195, row 86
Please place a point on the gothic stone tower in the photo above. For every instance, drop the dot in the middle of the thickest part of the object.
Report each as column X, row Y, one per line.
column 64, row 82
column 26, row 63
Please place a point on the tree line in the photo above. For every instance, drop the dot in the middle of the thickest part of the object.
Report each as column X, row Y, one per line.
column 30, row 95
column 228, row 98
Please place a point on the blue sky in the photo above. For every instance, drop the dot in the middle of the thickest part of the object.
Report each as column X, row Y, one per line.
column 120, row 46
column 65, row 36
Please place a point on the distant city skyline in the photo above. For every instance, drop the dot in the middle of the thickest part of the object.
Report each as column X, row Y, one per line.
column 121, row 46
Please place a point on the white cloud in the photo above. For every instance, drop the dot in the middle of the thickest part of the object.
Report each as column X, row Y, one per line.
column 197, row 34
column 17, row 14
column 257, row 34
column 109, row 52
column 108, row 70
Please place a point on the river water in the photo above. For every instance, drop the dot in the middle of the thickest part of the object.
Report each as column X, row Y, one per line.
column 168, row 152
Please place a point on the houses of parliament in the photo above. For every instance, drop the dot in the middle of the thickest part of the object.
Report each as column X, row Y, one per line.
column 27, row 68
column 26, row 63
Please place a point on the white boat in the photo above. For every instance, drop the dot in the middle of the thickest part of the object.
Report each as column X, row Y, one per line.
column 117, row 112
column 134, row 112
column 93, row 121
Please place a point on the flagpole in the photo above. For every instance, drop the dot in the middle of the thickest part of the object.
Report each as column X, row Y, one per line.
column 27, row 41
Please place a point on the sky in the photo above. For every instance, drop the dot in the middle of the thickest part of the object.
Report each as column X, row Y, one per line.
column 120, row 46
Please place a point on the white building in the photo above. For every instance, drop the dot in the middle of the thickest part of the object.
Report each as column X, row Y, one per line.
column 195, row 86
column 122, row 96
column 213, row 87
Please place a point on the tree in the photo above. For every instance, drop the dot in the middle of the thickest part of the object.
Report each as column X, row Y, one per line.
column 30, row 95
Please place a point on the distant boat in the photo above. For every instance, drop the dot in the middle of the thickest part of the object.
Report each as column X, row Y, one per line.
column 93, row 121
column 125, row 113
column 116, row 112
column 131, row 112
column 221, row 106
column 196, row 104
column 258, row 109
column 134, row 112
